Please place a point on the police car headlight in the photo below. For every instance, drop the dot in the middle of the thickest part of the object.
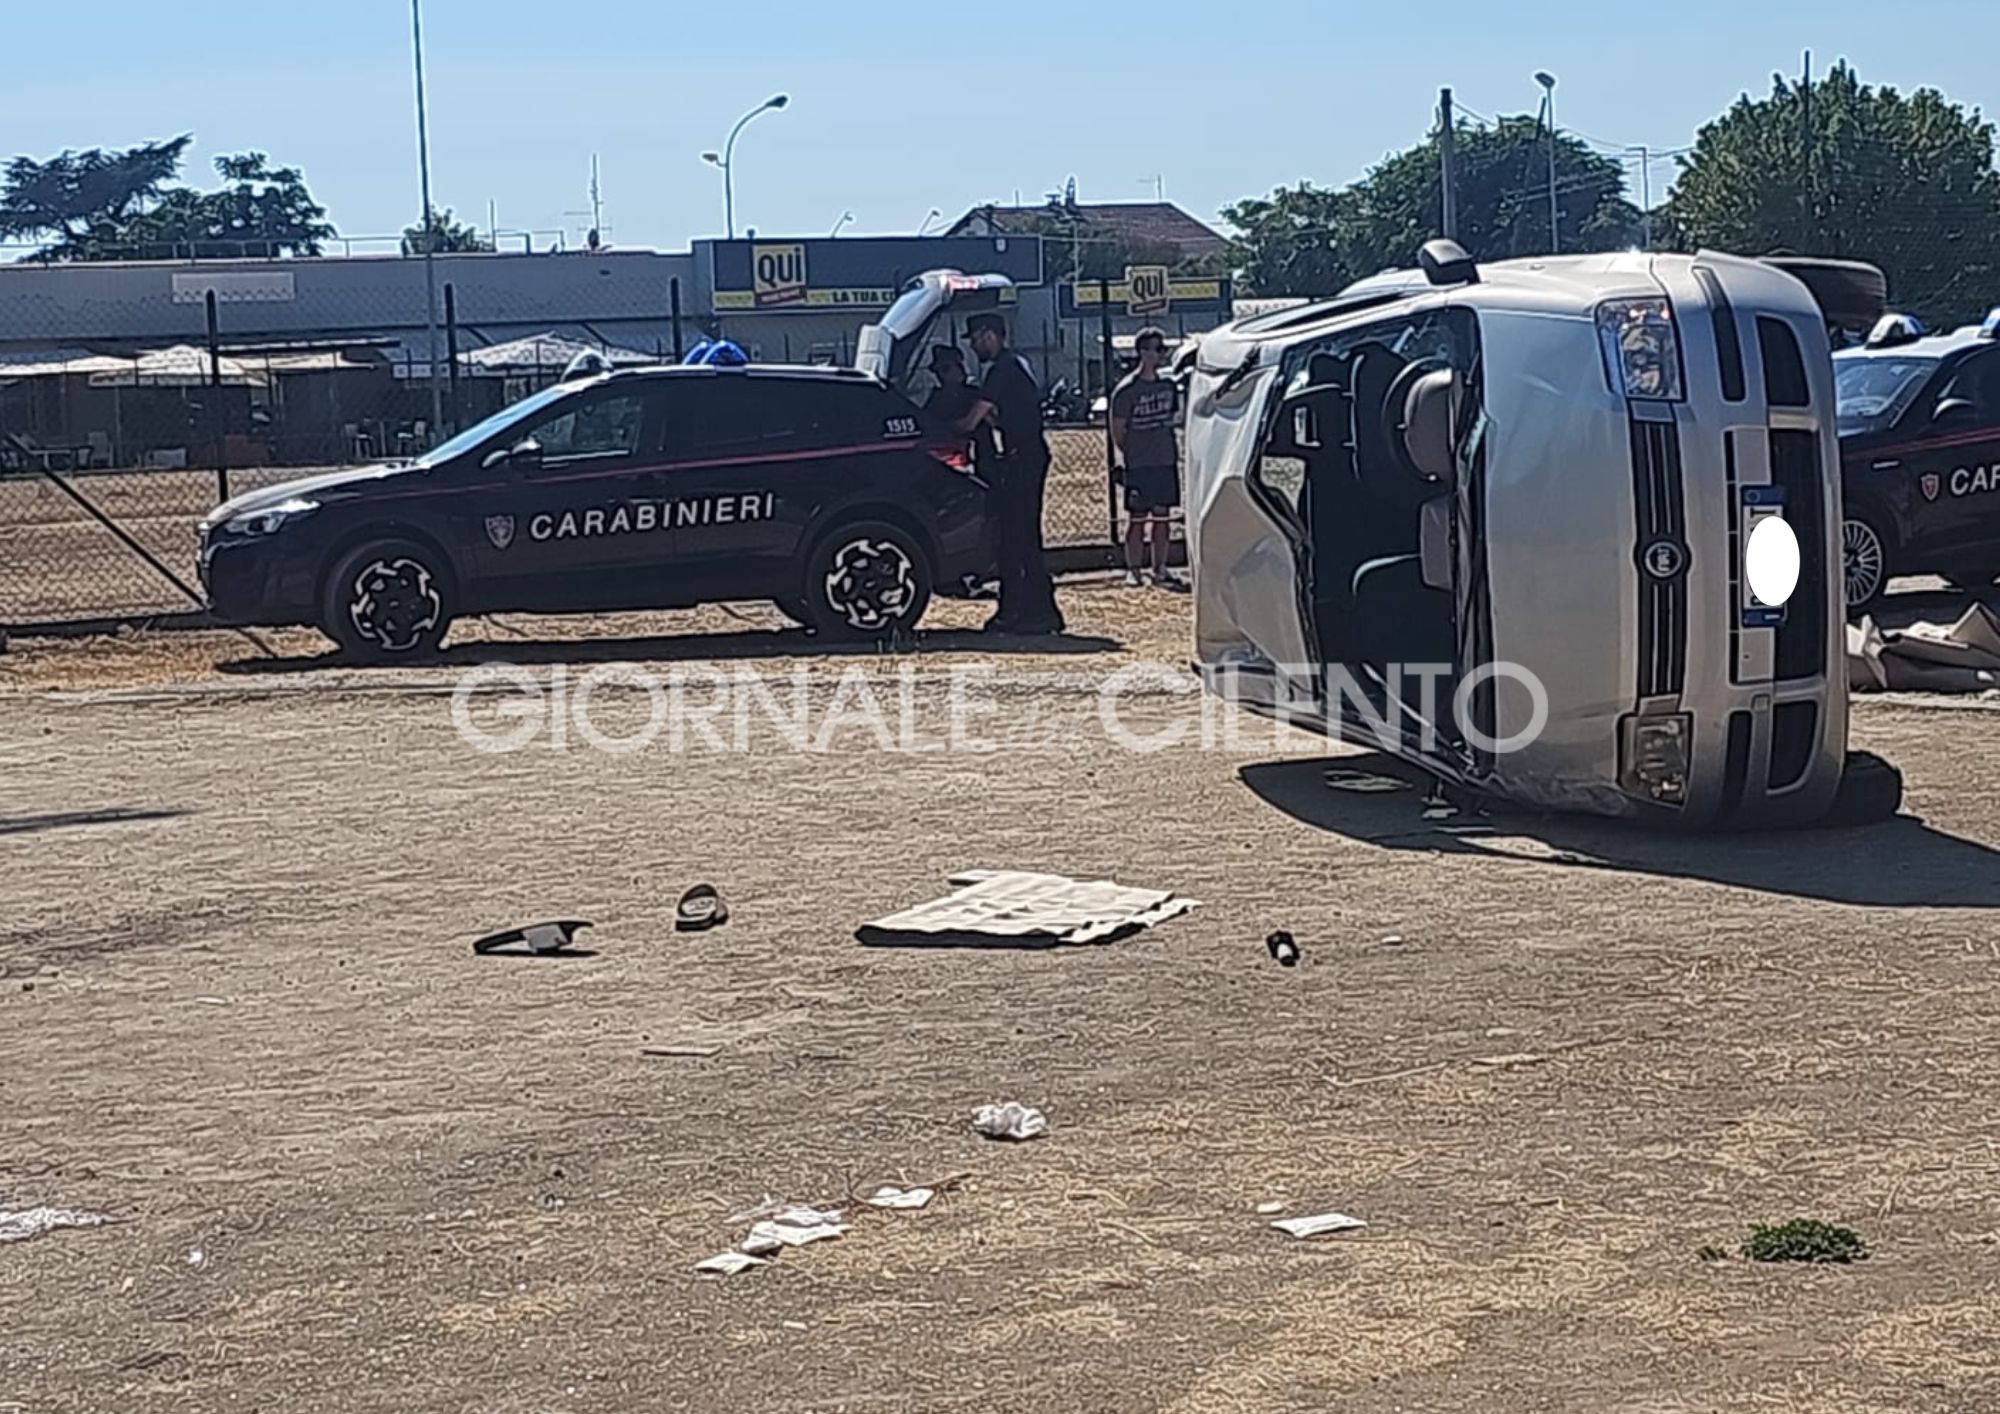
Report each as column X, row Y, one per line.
column 1642, row 353
column 267, row 520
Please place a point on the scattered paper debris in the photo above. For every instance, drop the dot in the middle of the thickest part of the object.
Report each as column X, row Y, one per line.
column 33, row 1222
column 728, row 1264
column 1012, row 1120
column 1029, row 908
column 1364, row 783
column 1317, row 1224
column 1264, row 1210
column 197, row 1258
column 1394, row 940
column 792, row 1225
column 770, row 1235
column 890, row 1196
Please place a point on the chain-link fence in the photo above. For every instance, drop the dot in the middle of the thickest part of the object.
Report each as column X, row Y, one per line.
column 110, row 456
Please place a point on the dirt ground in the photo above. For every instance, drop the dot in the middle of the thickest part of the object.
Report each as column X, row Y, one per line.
column 356, row 1168
column 58, row 563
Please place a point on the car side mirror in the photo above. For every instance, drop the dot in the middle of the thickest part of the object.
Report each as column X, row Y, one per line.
column 1955, row 412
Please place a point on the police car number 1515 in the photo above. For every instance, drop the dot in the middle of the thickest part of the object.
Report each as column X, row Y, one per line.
column 900, row 427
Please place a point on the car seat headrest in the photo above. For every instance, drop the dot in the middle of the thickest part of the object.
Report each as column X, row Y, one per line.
column 1429, row 416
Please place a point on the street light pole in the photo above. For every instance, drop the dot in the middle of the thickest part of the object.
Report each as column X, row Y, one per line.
column 430, row 223
column 723, row 158
column 1548, row 83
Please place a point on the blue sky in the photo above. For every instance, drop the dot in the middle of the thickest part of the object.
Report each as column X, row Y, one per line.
column 898, row 107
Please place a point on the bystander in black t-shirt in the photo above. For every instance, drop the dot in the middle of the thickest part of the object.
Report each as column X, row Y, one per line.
column 1017, row 400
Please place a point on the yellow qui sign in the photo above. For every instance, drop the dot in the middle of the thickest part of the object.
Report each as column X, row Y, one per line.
column 1149, row 290
column 777, row 274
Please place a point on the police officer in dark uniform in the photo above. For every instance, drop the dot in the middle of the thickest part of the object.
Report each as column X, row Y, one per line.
column 1010, row 398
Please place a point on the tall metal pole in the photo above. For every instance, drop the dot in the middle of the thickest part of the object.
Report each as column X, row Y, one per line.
column 1448, row 163
column 1548, row 83
column 430, row 222
column 728, row 157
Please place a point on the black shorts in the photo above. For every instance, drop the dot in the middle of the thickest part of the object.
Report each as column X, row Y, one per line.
column 1151, row 488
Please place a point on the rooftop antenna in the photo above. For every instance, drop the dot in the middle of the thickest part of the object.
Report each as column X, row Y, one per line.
column 1159, row 185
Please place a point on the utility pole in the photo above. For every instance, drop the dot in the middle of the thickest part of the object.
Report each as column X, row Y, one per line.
column 1645, row 195
column 1448, row 163
column 430, row 222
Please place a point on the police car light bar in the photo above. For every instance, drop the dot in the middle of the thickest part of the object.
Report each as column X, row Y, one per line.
column 1893, row 329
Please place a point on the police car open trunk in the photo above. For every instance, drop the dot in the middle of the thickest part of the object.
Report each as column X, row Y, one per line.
column 888, row 349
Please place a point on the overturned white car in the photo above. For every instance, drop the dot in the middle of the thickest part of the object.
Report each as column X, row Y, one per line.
column 1558, row 531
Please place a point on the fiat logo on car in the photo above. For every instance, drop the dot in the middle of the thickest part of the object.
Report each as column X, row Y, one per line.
column 1663, row 559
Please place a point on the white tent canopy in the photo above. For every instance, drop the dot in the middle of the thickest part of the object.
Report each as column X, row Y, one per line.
column 57, row 363
column 181, row 366
column 543, row 353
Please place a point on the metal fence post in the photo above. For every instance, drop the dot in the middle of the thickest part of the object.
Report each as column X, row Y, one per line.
column 1110, row 452
column 215, row 402
column 674, row 297
column 451, row 352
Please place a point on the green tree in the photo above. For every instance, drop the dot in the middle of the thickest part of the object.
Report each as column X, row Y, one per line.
column 450, row 236
column 264, row 212
column 1306, row 240
column 119, row 206
column 1844, row 169
column 1290, row 243
column 80, row 202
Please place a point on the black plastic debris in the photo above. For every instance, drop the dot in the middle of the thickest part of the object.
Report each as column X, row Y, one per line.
column 541, row 939
column 1283, row 949
column 700, row 907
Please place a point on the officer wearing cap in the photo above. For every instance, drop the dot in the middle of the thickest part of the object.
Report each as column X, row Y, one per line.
column 1011, row 400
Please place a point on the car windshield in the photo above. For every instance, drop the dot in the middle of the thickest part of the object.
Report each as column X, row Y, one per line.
column 493, row 426
column 1874, row 390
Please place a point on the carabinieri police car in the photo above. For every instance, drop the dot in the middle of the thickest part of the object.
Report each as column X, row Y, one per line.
column 1920, row 455
column 818, row 489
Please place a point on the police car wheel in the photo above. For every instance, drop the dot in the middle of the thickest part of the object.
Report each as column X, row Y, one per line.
column 868, row 579
column 1864, row 553
column 388, row 600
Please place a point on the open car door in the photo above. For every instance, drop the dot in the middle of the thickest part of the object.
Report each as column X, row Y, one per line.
column 1333, row 501
column 889, row 349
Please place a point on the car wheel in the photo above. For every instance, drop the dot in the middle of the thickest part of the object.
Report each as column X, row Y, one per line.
column 387, row 601
column 1871, row 791
column 1864, row 553
column 866, row 579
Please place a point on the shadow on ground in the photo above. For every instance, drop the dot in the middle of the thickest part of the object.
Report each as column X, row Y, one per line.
column 671, row 648
column 1900, row 863
column 76, row 819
